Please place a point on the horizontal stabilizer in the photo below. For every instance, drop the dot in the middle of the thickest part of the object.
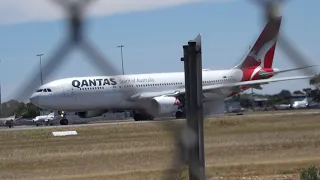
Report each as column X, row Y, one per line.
column 287, row 70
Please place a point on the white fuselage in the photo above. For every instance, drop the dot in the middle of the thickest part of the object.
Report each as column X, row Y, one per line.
column 113, row 92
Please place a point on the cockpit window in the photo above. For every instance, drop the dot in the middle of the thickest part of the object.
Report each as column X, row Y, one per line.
column 44, row 90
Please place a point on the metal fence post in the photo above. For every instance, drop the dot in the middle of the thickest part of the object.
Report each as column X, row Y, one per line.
column 193, row 86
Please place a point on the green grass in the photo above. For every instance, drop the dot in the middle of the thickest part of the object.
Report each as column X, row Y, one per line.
column 235, row 147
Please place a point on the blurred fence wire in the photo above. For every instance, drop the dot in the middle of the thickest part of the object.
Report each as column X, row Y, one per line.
column 183, row 135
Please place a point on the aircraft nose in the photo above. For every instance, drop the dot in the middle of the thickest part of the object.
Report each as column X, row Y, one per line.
column 34, row 99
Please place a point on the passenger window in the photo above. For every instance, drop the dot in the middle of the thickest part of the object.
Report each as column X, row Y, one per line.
column 45, row 90
column 49, row 90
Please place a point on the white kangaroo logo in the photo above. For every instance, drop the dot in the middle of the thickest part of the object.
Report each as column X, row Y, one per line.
column 260, row 56
column 262, row 52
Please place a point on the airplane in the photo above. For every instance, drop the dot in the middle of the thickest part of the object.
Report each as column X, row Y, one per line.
column 155, row 94
column 300, row 104
column 43, row 119
column 8, row 121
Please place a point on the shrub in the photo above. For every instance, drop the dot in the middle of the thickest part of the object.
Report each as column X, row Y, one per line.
column 310, row 173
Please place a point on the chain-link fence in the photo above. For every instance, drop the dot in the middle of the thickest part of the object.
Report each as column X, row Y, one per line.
column 183, row 135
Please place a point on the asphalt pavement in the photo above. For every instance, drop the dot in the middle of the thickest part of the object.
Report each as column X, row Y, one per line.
column 160, row 120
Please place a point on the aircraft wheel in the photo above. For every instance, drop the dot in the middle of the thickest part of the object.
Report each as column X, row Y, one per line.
column 137, row 117
column 142, row 117
column 147, row 117
column 64, row 122
column 179, row 115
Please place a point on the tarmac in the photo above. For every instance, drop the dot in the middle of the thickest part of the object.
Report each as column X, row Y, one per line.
column 160, row 120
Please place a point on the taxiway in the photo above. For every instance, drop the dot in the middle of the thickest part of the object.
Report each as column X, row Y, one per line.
column 161, row 120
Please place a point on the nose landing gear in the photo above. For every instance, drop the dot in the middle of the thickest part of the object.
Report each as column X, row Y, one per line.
column 64, row 120
column 180, row 115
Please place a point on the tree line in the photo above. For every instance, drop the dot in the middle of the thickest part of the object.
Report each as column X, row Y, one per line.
column 283, row 97
column 20, row 109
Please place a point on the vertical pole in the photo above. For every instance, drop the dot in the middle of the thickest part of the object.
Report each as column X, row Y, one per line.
column 121, row 46
column 195, row 171
column 193, row 153
column 194, row 108
column 41, row 80
column 252, row 99
column 41, row 70
column 185, row 59
column 41, row 77
column 189, row 113
column 0, row 95
column 0, row 100
column 200, row 111
column 122, row 61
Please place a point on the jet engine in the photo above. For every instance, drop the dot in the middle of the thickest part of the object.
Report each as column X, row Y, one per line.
column 91, row 114
column 164, row 105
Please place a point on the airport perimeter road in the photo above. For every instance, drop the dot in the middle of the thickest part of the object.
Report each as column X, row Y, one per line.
column 119, row 122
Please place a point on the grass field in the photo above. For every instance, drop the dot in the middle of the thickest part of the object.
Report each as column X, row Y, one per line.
column 241, row 147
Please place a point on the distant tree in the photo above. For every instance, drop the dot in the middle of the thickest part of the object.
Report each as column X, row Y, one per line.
column 245, row 103
column 236, row 97
column 274, row 99
column 20, row 109
column 307, row 91
column 285, row 96
column 31, row 111
column 297, row 92
column 315, row 80
column 8, row 108
column 315, row 94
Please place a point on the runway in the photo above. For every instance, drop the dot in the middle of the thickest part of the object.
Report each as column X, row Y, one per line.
column 160, row 120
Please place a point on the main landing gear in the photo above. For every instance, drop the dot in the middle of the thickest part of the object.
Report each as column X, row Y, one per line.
column 138, row 116
column 64, row 122
column 180, row 115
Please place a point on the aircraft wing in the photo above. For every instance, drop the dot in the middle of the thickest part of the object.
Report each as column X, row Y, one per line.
column 252, row 83
column 147, row 95
column 215, row 88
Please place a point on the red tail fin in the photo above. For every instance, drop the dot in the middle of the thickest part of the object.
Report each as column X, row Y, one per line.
column 262, row 52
